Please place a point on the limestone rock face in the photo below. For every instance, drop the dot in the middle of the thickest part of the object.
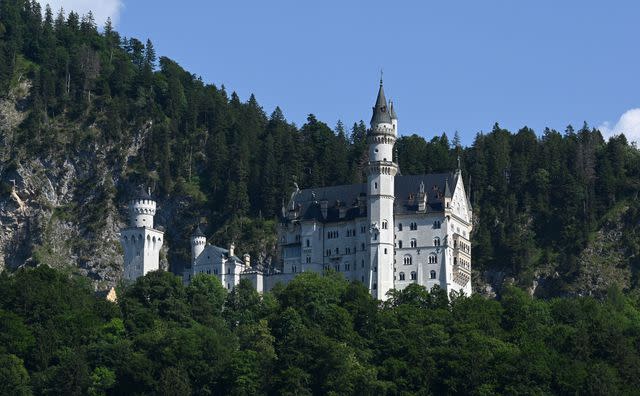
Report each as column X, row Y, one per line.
column 61, row 209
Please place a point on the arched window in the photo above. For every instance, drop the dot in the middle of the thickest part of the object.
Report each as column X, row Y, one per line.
column 432, row 274
column 414, row 243
column 384, row 224
column 436, row 224
column 401, row 275
column 399, row 226
column 414, row 276
column 407, row 260
column 308, row 243
column 436, row 241
column 400, row 244
column 433, row 259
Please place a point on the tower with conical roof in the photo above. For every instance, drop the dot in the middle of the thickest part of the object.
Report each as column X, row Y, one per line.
column 381, row 138
column 140, row 240
column 198, row 242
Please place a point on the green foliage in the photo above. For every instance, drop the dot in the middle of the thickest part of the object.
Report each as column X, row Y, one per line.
column 316, row 335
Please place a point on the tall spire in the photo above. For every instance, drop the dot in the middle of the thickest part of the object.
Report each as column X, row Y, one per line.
column 380, row 110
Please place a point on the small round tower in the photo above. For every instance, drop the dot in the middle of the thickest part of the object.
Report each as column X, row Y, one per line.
column 198, row 242
column 142, row 208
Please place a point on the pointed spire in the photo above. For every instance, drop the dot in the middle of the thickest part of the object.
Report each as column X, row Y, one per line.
column 380, row 110
column 198, row 232
column 447, row 190
column 392, row 111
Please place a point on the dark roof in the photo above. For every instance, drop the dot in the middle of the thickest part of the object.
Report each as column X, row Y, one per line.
column 141, row 193
column 198, row 232
column 344, row 199
column 380, row 110
column 392, row 111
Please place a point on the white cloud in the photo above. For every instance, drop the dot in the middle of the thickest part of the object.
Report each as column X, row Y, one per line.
column 629, row 124
column 101, row 9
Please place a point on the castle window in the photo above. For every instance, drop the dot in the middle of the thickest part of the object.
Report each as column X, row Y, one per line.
column 400, row 244
column 362, row 246
column 413, row 226
column 308, row 243
column 308, row 259
column 375, row 185
column 375, row 237
column 414, row 276
column 229, row 270
column 363, row 229
column 407, row 260
column 414, row 243
column 337, row 250
column 385, row 250
column 401, row 275
column 433, row 259
column 375, row 285
column 436, row 241
column 436, row 224
column 399, row 226
column 385, row 225
column 432, row 274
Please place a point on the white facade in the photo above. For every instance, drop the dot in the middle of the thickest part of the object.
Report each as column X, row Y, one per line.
column 388, row 233
column 140, row 241
column 213, row 260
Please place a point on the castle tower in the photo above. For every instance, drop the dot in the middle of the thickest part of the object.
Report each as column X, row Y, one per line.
column 198, row 242
column 141, row 242
column 381, row 173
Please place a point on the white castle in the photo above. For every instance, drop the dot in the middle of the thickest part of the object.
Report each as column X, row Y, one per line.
column 387, row 233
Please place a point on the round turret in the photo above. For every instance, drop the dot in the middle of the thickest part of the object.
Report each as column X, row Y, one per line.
column 198, row 242
column 142, row 208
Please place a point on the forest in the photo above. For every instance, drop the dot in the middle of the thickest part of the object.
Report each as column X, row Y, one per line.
column 318, row 335
column 556, row 216
column 540, row 199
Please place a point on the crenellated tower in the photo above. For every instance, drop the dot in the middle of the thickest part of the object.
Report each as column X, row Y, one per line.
column 141, row 242
column 381, row 138
column 198, row 242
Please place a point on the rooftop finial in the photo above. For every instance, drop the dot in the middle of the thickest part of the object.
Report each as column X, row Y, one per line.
column 381, row 73
column 458, row 162
column 149, row 191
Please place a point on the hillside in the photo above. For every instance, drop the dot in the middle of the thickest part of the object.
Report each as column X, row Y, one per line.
column 86, row 116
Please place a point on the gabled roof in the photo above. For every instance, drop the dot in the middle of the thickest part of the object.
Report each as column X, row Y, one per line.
column 308, row 202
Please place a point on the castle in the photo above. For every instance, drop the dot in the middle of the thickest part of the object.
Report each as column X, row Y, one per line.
column 387, row 233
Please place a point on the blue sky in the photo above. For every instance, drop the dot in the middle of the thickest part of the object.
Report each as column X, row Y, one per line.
column 448, row 66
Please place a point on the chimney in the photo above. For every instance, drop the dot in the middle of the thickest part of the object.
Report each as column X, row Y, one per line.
column 247, row 260
column 232, row 249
